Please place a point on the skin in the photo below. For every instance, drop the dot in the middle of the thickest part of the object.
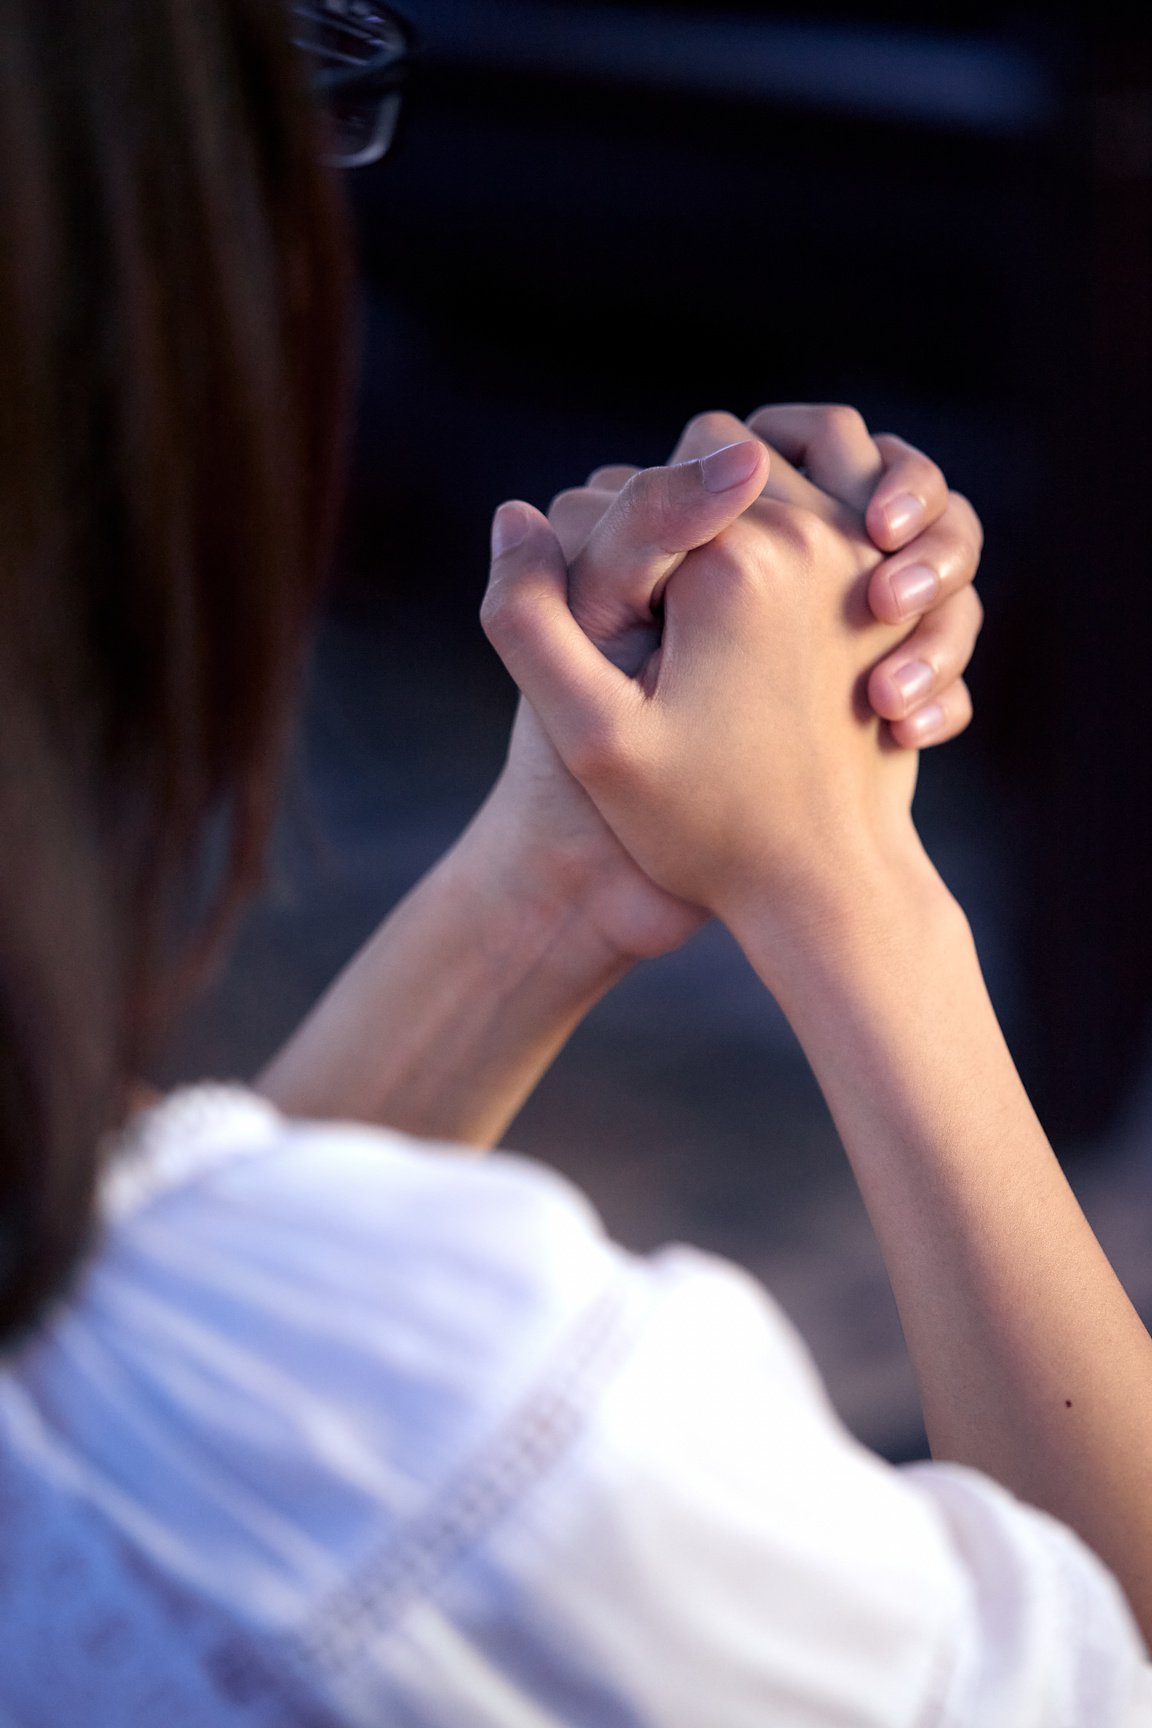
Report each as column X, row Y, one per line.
column 612, row 591
column 443, row 1023
column 745, row 772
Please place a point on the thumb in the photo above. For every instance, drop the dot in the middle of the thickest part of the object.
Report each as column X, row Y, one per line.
column 579, row 696
column 658, row 517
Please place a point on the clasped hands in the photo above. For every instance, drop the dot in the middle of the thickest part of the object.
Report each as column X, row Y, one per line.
column 727, row 667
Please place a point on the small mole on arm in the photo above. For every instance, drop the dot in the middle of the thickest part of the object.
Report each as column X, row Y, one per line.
column 1067, row 1403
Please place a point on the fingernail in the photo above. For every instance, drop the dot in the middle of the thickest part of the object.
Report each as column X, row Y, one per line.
column 915, row 588
column 903, row 514
column 731, row 466
column 913, row 680
column 926, row 721
column 509, row 529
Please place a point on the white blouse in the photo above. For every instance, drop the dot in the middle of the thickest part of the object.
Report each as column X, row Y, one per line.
column 344, row 1430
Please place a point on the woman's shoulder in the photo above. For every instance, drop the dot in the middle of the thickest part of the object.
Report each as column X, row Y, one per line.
column 339, row 1248
column 224, row 1142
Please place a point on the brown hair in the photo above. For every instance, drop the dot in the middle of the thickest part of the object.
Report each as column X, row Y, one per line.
column 175, row 354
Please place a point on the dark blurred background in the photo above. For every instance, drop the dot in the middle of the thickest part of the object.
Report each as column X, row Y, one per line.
column 602, row 218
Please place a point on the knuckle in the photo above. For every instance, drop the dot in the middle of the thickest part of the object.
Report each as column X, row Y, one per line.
column 493, row 609
column 804, row 533
column 957, row 706
column 947, row 637
column 959, row 709
column 907, row 456
column 501, row 615
column 784, row 536
column 958, row 542
column 922, row 476
column 736, row 563
column 893, row 448
column 729, row 561
column 916, row 470
column 610, row 476
column 841, row 422
column 767, row 414
column 573, row 497
column 930, row 472
column 637, row 498
column 969, row 516
column 713, row 424
column 649, row 503
column 936, row 651
column 975, row 611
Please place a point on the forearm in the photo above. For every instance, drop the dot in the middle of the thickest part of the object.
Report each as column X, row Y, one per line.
column 446, row 1019
column 1032, row 1364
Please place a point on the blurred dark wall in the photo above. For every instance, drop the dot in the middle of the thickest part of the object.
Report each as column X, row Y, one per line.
column 604, row 218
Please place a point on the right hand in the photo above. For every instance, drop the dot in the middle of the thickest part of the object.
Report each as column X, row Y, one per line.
column 624, row 533
column 823, row 456
column 743, row 760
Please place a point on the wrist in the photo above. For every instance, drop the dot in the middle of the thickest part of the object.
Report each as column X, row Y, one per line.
column 530, row 903
column 875, row 907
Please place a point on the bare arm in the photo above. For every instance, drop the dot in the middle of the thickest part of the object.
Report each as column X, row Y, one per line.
column 734, row 780
column 1031, row 1361
column 444, row 1022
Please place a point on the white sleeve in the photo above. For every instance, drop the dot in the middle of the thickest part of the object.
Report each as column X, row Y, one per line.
column 273, row 1364
column 715, row 1551
column 414, row 1433
column 292, row 1339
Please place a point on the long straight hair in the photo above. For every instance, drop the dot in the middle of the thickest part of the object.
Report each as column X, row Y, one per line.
column 176, row 343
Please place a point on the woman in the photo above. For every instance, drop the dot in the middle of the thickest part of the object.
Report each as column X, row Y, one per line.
column 303, row 1421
